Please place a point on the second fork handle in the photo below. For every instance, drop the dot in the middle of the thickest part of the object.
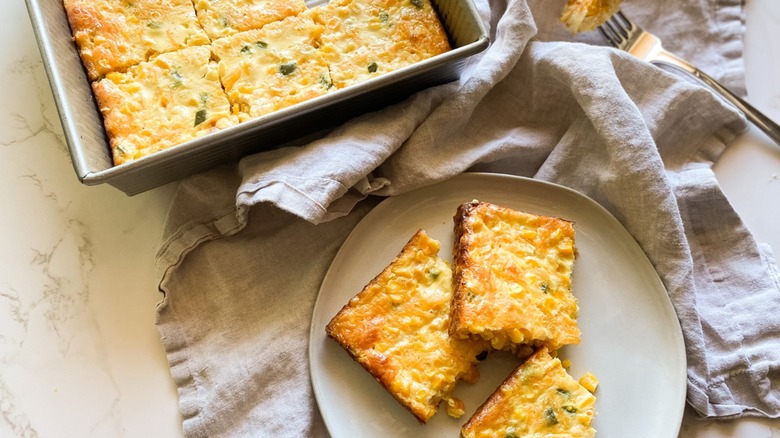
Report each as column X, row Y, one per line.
column 763, row 122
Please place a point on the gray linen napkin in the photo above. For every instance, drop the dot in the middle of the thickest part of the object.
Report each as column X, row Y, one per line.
column 245, row 247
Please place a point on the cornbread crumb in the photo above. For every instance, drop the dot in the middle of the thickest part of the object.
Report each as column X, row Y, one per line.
column 455, row 408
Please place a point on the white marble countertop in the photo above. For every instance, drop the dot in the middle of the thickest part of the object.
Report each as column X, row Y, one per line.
column 79, row 352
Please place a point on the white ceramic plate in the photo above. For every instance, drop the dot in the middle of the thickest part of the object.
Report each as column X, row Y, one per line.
column 631, row 338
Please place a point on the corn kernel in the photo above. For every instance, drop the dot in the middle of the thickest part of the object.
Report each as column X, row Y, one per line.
column 589, row 381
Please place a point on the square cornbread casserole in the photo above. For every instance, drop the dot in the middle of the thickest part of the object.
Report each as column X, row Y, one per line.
column 161, row 103
column 112, row 35
column 513, row 277
column 270, row 55
column 396, row 328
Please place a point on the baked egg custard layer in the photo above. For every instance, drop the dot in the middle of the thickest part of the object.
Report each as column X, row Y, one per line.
column 512, row 278
column 397, row 329
column 270, row 54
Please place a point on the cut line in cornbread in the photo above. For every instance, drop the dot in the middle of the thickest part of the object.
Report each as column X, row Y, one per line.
column 161, row 103
column 539, row 399
column 396, row 328
column 512, row 278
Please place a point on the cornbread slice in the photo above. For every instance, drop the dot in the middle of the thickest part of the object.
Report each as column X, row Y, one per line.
column 512, row 278
column 396, row 328
column 539, row 399
column 157, row 104
column 586, row 15
column 274, row 67
column 112, row 35
column 221, row 18
column 365, row 38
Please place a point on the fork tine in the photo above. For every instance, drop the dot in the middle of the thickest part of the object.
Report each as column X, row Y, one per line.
column 623, row 21
column 617, row 29
column 609, row 33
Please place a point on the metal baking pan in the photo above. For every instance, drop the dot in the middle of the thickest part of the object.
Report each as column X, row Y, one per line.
column 86, row 137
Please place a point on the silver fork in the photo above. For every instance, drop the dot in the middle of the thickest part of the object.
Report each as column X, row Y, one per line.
column 626, row 35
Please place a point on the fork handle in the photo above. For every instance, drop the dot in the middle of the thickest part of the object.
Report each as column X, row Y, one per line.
column 763, row 122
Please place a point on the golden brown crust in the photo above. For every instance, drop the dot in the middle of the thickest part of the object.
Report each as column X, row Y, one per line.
column 396, row 328
column 512, row 278
column 461, row 263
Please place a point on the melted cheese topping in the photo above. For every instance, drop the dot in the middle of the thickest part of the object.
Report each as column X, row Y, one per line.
column 539, row 399
column 513, row 277
column 397, row 329
column 365, row 38
column 115, row 34
column 586, row 15
column 222, row 18
column 161, row 103
column 274, row 67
